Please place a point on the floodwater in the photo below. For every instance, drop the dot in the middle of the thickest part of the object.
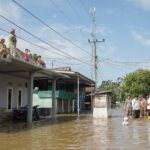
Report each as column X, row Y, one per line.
column 79, row 133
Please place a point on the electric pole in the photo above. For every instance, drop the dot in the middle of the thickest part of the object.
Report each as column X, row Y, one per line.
column 53, row 63
column 93, row 42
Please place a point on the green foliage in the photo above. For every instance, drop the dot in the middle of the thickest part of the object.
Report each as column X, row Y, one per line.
column 136, row 83
column 114, row 87
column 34, row 57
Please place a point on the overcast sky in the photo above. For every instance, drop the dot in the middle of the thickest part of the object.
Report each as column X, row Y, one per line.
column 123, row 23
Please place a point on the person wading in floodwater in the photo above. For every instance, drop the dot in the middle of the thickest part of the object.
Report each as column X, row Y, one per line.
column 143, row 105
column 128, row 106
column 148, row 107
column 136, row 107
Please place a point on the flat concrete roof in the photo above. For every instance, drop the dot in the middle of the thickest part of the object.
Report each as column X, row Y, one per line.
column 16, row 66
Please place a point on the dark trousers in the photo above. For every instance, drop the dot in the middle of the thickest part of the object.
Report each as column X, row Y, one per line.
column 136, row 113
column 148, row 112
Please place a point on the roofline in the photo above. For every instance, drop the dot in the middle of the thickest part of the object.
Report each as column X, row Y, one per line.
column 58, row 74
column 35, row 68
column 26, row 62
column 77, row 74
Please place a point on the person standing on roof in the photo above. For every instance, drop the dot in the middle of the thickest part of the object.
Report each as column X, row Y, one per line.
column 26, row 55
column 39, row 61
column 3, row 49
column 12, row 42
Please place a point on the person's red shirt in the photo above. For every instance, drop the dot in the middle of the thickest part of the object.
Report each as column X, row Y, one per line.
column 26, row 56
column 39, row 61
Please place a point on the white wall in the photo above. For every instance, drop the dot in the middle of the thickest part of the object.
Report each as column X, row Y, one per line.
column 102, row 108
column 15, row 83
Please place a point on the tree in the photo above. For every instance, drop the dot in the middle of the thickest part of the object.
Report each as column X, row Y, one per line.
column 136, row 83
column 114, row 87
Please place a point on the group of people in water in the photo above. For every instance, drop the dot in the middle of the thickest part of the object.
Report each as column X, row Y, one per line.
column 12, row 50
column 137, row 107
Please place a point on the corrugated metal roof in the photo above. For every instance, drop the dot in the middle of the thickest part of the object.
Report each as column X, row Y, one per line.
column 73, row 76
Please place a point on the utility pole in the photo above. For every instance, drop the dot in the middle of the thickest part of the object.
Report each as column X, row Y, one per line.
column 53, row 63
column 93, row 42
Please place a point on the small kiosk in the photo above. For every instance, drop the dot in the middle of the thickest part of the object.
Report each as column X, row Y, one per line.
column 102, row 104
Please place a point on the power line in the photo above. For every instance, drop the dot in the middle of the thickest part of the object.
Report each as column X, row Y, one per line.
column 64, row 14
column 76, row 12
column 102, row 78
column 100, row 67
column 61, row 11
column 61, row 62
column 34, row 44
column 42, row 40
column 85, row 9
column 49, row 27
column 127, row 63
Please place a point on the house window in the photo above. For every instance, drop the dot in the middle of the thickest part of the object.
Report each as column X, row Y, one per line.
column 9, row 98
column 19, row 98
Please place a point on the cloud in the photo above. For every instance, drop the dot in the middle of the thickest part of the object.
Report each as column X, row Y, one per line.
column 9, row 10
column 144, row 4
column 141, row 39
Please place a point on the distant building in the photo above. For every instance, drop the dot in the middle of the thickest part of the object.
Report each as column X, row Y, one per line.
column 70, row 92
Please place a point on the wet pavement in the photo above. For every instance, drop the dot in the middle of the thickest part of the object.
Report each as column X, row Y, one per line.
column 70, row 132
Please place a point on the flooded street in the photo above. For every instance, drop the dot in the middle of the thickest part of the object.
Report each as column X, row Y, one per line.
column 80, row 133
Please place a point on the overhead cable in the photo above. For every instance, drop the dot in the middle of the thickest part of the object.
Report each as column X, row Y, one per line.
column 85, row 9
column 35, row 44
column 41, row 21
column 42, row 40
column 76, row 12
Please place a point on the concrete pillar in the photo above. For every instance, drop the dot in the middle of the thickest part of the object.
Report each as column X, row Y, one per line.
column 78, row 99
column 53, row 98
column 73, row 106
column 30, row 98
column 62, row 106
column 56, row 105
column 68, row 106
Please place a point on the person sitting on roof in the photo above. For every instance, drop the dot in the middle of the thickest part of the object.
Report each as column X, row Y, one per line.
column 39, row 61
column 26, row 55
column 12, row 42
column 3, row 49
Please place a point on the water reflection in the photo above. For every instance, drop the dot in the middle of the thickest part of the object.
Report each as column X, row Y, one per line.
column 80, row 133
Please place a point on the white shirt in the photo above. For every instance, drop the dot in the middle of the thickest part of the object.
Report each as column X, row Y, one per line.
column 135, row 104
column 148, row 103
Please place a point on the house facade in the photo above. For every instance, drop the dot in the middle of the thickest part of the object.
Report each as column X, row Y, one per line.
column 13, row 94
column 16, row 85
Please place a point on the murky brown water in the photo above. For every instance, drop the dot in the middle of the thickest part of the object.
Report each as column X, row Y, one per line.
column 83, row 133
